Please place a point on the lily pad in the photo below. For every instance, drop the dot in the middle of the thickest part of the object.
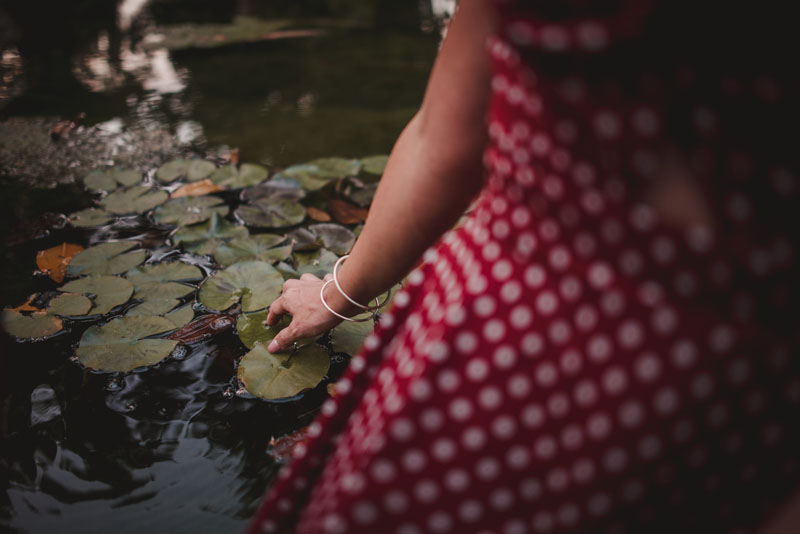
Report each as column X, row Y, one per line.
column 198, row 237
column 363, row 196
column 158, row 286
column 246, row 175
column 189, row 210
column 168, row 271
column 105, row 291
column 180, row 317
column 334, row 237
column 90, row 217
column 137, row 199
column 106, row 258
column 374, row 164
column 258, row 247
column 279, row 186
column 191, row 169
column 34, row 326
column 276, row 376
column 348, row 336
column 122, row 344
column 110, row 179
column 304, row 240
column 318, row 263
column 256, row 283
column 271, row 213
column 69, row 304
column 252, row 329
column 318, row 173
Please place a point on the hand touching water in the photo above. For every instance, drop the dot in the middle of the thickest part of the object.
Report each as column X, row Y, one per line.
column 300, row 299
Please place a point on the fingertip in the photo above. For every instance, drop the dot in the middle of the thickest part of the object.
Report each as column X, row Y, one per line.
column 274, row 346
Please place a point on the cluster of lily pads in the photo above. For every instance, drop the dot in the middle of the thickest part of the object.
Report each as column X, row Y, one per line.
column 259, row 228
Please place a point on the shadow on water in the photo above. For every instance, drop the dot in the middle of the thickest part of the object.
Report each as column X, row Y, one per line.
column 171, row 448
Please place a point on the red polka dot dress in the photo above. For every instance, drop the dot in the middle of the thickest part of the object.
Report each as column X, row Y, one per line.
column 609, row 342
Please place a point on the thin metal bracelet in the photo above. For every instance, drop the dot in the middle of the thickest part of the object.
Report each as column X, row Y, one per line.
column 345, row 295
column 337, row 314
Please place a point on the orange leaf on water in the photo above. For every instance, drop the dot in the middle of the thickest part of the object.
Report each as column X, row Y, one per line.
column 317, row 214
column 196, row 189
column 346, row 213
column 27, row 306
column 53, row 261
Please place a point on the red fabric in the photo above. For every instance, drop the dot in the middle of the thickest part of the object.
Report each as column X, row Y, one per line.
column 575, row 358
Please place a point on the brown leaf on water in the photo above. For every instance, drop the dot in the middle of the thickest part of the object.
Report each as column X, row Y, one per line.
column 196, row 189
column 27, row 306
column 53, row 261
column 317, row 214
column 345, row 212
column 203, row 327
column 281, row 448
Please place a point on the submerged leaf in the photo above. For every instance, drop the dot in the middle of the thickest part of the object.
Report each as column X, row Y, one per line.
column 348, row 336
column 204, row 327
column 258, row 247
column 246, row 175
column 196, row 189
column 90, row 217
column 195, row 236
column 189, row 210
column 345, row 212
column 34, row 326
column 107, row 291
column 256, row 283
column 191, row 169
column 121, row 345
column 137, row 199
column 271, row 213
column 276, row 376
column 106, row 258
column 54, row 260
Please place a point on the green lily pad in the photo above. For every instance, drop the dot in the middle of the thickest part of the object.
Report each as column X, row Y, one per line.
column 106, row 258
column 319, row 263
column 68, row 305
column 363, row 195
column 122, row 344
column 246, row 175
column 181, row 316
column 137, row 199
column 158, row 286
column 348, row 336
column 256, row 283
column 276, row 376
column 279, row 186
column 304, row 240
column 318, row 173
column 287, row 271
column 258, row 247
column 198, row 237
column 34, row 326
column 168, row 271
column 252, row 329
column 335, row 237
column 110, row 179
column 105, row 291
column 183, row 211
column 374, row 164
column 271, row 213
column 191, row 169
column 90, row 217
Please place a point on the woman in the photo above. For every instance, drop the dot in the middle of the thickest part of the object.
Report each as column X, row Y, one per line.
column 607, row 343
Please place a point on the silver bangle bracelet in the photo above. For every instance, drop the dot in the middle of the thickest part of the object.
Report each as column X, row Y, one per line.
column 337, row 314
column 345, row 295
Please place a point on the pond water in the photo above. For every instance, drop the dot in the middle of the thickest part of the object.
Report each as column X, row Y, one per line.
column 171, row 448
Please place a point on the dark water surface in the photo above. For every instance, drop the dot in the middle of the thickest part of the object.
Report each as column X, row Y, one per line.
column 172, row 448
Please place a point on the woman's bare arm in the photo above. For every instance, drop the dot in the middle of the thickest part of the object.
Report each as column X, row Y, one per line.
column 433, row 172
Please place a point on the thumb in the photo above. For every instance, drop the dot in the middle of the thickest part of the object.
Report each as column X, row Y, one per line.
column 283, row 339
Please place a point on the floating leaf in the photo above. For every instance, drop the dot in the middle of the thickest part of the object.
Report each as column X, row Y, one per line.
column 181, row 316
column 271, row 213
column 256, row 283
column 196, row 189
column 334, row 237
column 319, row 263
column 259, row 247
column 348, row 336
column 374, row 164
column 363, row 195
column 246, row 175
column 189, row 210
column 158, row 286
column 304, row 240
column 34, row 326
column 253, row 329
column 276, row 376
column 204, row 327
column 106, row 258
column 318, row 173
column 137, row 199
column 121, row 345
column 53, row 261
column 317, row 214
column 168, row 271
column 110, row 179
column 197, row 236
column 345, row 212
column 279, row 186
column 90, row 217
column 69, row 304
column 191, row 169
column 107, row 291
